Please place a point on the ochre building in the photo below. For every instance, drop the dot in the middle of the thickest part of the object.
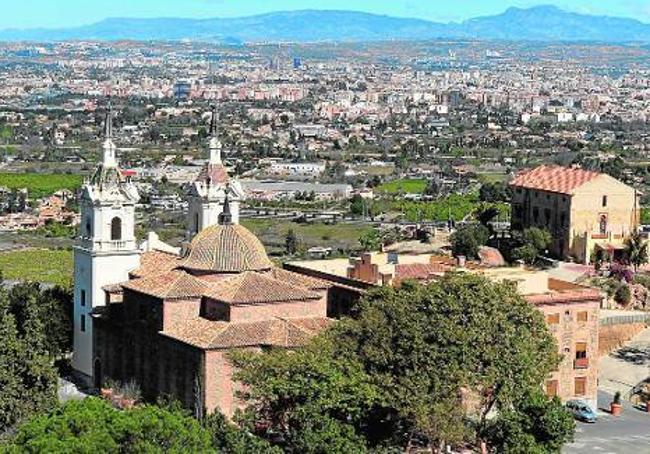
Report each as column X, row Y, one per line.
column 581, row 209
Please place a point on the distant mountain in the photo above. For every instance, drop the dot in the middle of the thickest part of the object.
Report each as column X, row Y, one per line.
column 541, row 23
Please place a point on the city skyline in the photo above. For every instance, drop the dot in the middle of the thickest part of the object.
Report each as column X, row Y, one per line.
column 69, row 13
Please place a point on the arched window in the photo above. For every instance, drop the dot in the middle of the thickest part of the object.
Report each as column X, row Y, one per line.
column 89, row 228
column 116, row 229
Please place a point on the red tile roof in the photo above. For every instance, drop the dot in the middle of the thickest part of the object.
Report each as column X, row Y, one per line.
column 155, row 262
column 418, row 271
column 562, row 180
column 278, row 332
column 176, row 284
column 256, row 288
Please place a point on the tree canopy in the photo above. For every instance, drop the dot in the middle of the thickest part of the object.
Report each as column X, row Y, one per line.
column 93, row 425
column 416, row 365
column 467, row 240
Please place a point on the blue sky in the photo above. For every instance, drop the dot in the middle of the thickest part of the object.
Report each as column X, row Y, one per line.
column 61, row 13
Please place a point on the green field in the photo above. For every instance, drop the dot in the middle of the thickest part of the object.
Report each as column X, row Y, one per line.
column 455, row 206
column 337, row 236
column 41, row 184
column 409, row 186
column 39, row 265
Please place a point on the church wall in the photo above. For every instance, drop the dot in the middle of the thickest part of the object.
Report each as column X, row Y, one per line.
column 132, row 349
column 220, row 390
column 176, row 310
column 92, row 272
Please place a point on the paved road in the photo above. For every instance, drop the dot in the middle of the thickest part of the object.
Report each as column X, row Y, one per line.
column 626, row 434
column 626, row 367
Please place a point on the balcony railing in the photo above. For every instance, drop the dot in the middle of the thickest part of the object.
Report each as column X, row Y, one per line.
column 117, row 245
column 581, row 363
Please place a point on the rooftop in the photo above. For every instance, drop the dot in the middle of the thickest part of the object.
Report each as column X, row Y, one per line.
column 562, row 180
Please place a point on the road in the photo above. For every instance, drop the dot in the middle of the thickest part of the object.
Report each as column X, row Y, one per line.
column 626, row 434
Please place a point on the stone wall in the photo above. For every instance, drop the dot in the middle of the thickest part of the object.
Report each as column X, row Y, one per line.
column 610, row 337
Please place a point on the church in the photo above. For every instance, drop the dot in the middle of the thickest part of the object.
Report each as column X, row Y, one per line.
column 166, row 318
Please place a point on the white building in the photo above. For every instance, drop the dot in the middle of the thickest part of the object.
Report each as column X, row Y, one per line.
column 208, row 192
column 106, row 249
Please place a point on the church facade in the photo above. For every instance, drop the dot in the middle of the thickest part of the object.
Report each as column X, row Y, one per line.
column 167, row 320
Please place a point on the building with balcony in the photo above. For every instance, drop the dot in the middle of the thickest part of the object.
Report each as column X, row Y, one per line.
column 583, row 210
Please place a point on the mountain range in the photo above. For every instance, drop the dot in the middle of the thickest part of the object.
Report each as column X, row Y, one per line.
column 540, row 23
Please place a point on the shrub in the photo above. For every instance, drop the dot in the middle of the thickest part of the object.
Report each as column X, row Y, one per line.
column 623, row 295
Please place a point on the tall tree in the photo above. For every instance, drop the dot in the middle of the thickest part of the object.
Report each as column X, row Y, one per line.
column 488, row 341
column 28, row 380
column 418, row 364
column 93, row 425
column 467, row 240
column 636, row 249
column 291, row 242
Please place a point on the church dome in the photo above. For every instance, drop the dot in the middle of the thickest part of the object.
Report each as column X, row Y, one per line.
column 229, row 248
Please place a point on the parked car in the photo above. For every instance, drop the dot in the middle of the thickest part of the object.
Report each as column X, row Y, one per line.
column 581, row 411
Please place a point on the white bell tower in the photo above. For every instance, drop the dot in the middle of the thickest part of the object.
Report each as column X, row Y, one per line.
column 208, row 192
column 106, row 248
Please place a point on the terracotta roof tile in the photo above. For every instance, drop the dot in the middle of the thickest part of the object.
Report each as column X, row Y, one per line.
column 155, row 262
column 256, row 288
column 301, row 280
column 562, row 180
column 277, row 332
column 419, row 271
column 176, row 284
column 226, row 249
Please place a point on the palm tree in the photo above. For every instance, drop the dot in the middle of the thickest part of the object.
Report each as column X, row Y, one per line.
column 637, row 250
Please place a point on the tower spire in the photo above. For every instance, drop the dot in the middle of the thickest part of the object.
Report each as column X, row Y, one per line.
column 109, row 146
column 225, row 218
column 214, row 144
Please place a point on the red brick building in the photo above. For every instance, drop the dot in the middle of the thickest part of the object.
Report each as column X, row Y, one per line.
column 169, row 327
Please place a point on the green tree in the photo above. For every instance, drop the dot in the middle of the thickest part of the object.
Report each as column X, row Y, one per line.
column 494, row 193
column 28, row 379
column 357, row 205
column 291, row 242
column 313, row 400
column 227, row 437
column 534, row 241
column 93, row 425
column 488, row 342
column 535, row 424
column 636, row 249
column 53, row 310
column 386, row 380
column 467, row 240
column 370, row 241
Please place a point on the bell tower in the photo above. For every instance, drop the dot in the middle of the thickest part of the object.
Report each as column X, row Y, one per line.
column 106, row 248
column 208, row 192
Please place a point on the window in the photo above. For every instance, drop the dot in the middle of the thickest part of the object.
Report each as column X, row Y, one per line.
column 116, row 229
column 581, row 350
column 82, row 297
column 580, row 386
column 553, row 319
column 89, row 228
column 603, row 224
column 583, row 316
column 604, row 201
column 551, row 388
column 82, row 323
